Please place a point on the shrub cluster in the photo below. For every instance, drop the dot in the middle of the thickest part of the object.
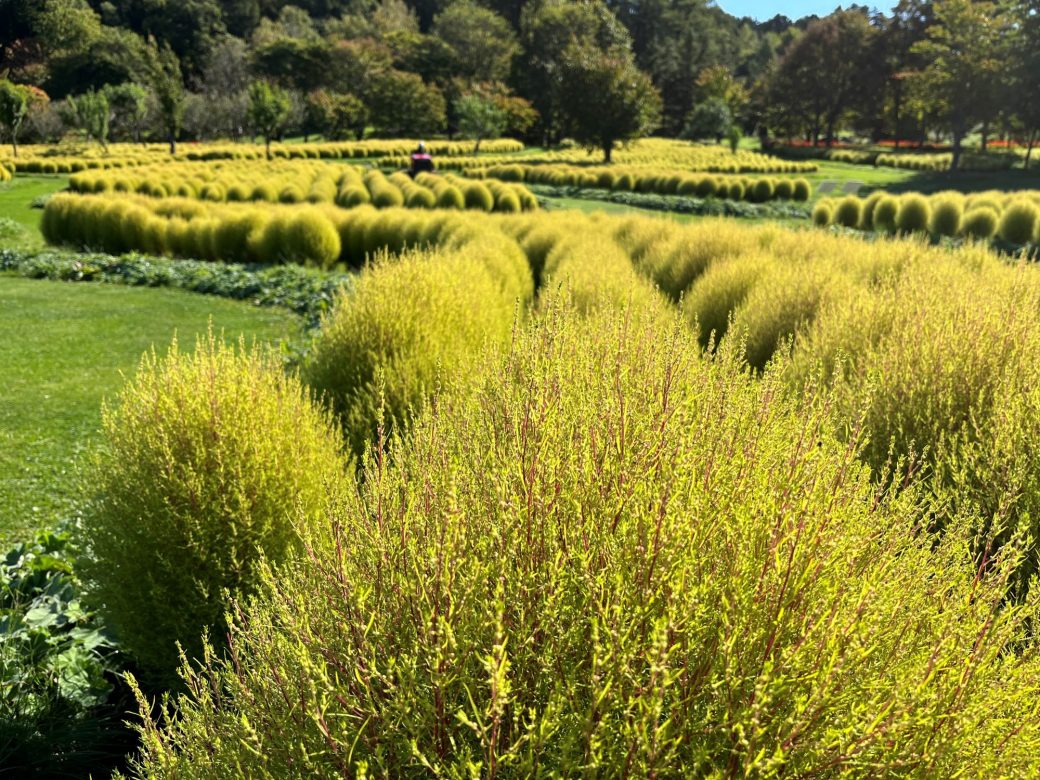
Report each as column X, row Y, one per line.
column 298, row 182
column 64, row 160
column 650, row 180
column 1014, row 218
column 658, row 153
column 304, row 291
column 587, row 542
column 611, row 552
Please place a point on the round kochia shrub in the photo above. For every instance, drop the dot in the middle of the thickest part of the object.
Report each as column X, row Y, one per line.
column 761, row 191
column 312, row 239
column 409, row 325
column 981, row 223
column 914, row 214
column 479, row 197
column 565, row 571
column 210, row 461
column 947, row 215
column 885, row 213
column 823, row 214
column 451, row 198
column 801, row 190
column 849, row 212
column 1019, row 221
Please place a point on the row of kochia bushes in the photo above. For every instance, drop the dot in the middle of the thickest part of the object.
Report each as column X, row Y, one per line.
column 600, row 547
column 909, row 159
column 660, row 153
column 661, row 182
column 1012, row 217
column 310, row 182
column 6, row 174
column 56, row 160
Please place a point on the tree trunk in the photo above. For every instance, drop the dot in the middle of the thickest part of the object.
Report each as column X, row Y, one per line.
column 267, row 145
column 985, row 135
column 958, row 138
column 14, row 145
column 1029, row 149
column 608, row 147
column 173, row 142
column 476, row 149
column 897, row 111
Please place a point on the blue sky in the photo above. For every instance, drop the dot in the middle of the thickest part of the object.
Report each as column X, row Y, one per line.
column 792, row 8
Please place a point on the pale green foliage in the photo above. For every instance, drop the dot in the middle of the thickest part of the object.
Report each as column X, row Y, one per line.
column 615, row 553
column 212, row 460
column 408, row 327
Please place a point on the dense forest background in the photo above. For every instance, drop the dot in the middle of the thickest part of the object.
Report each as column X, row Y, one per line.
column 540, row 70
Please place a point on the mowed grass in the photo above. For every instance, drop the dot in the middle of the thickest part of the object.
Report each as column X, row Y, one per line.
column 16, row 199
column 900, row 180
column 65, row 348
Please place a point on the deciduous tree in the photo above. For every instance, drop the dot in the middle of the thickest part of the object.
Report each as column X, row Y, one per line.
column 607, row 99
column 269, row 108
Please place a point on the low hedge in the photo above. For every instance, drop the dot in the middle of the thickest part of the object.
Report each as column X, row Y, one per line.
column 306, row 292
column 677, row 204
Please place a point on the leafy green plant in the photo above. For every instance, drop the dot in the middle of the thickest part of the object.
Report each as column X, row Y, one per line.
column 61, row 700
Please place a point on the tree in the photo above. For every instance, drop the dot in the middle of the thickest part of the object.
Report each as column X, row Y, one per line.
column 710, row 119
column 92, row 115
column 547, row 30
column 480, row 117
column 963, row 65
column 1027, row 84
column 269, row 108
column 481, row 41
column 607, row 99
column 129, row 107
column 819, row 78
column 335, row 115
column 14, row 106
column 164, row 73
column 294, row 62
column 401, row 104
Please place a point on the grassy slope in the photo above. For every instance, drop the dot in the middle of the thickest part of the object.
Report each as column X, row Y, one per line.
column 15, row 200
column 65, row 348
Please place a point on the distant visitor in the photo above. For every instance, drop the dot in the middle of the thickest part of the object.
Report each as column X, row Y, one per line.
column 422, row 162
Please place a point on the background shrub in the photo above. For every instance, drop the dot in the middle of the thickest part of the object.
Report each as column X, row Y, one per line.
column 981, row 223
column 479, row 197
column 1019, row 221
column 848, row 212
column 823, row 214
column 885, row 213
column 947, row 215
column 914, row 214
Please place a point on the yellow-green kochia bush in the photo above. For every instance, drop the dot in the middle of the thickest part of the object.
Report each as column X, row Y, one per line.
column 211, row 460
column 412, row 325
column 617, row 557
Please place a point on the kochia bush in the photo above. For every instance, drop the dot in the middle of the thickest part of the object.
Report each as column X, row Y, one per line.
column 1019, row 221
column 211, row 460
column 614, row 553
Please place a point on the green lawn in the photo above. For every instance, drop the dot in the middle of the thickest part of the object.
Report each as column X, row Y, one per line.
column 900, row 180
column 67, row 346
column 15, row 200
